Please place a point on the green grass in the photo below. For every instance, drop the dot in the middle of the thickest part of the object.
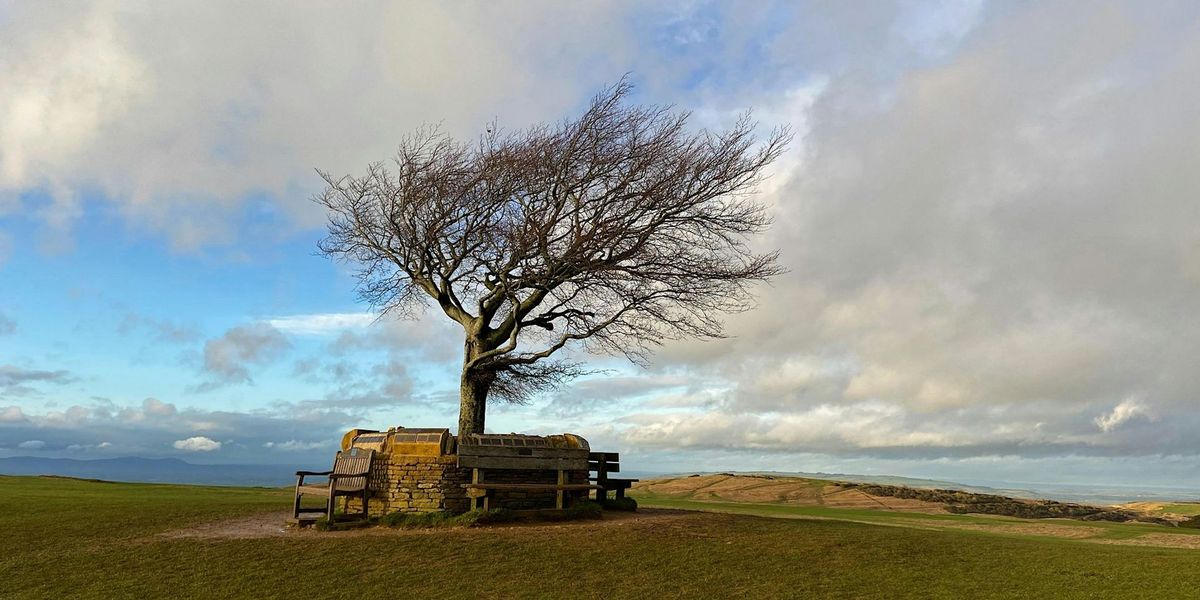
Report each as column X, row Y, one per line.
column 1189, row 508
column 1096, row 529
column 74, row 539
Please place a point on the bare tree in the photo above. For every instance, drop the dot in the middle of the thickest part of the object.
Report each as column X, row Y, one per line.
column 614, row 231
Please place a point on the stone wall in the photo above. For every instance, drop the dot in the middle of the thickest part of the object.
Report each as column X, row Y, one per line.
column 408, row 483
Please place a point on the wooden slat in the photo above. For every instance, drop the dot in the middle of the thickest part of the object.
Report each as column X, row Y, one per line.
column 560, row 494
column 612, row 456
column 609, row 467
column 546, row 487
column 519, row 452
column 612, row 484
column 535, row 463
column 314, row 490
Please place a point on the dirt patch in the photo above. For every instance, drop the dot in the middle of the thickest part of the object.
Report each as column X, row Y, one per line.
column 1039, row 529
column 838, row 497
column 273, row 525
column 681, row 485
column 1159, row 540
column 263, row 525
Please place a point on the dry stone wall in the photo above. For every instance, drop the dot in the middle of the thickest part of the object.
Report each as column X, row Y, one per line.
column 408, row 483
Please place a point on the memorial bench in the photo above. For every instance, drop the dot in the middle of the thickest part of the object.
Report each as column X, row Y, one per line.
column 349, row 476
column 481, row 458
column 603, row 463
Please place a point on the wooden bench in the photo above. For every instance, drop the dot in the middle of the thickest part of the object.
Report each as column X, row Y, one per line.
column 483, row 458
column 349, row 477
column 603, row 463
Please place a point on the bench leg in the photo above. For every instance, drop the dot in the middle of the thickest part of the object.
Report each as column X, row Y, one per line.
column 558, row 495
column 329, row 507
column 620, row 493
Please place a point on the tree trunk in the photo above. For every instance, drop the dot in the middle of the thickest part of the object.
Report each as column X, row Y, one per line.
column 473, row 389
column 472, row 402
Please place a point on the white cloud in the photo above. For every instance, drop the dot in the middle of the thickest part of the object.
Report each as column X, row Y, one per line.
column 88, row 447
column 1127, row 410
column 32, row 445
column 180, row 131
column 297, row 445
column 11, row 414
column 197, row 444
column 322, row 324
column 129, row 431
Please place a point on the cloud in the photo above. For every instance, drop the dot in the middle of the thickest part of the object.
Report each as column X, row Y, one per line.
column 7, row 325
column 16, row 381
column 601, row 393
column 297, row 445
column 989, row 244
column 358, row 386
column 1122, row 413
column 162, row 330
column 158, row 408
column 182, row 134
column 197, row 444
column 152, row 427
column 32, row 445
column 228, row 359
column 11, row 414
column 88, row 447
column 322, row 324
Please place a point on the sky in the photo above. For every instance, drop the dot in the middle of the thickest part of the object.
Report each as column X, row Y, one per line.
column 989, row 216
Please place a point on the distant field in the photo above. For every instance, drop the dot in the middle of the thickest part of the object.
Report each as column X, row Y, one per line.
column 77, row 539
column 1190, row 508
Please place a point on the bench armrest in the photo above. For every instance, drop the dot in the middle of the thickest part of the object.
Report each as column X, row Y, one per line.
column 347, row 475
column 307, row 473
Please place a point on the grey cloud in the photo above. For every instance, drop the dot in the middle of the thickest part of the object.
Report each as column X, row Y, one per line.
column 992, row 247
column 382, row 384
column 17, row 381
column 153, row 427
column 607, row 393
column 216, row 123
column 428, row 339
column 7, row 325
column 227, row 359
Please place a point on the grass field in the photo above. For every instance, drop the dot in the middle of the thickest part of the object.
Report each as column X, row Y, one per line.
column 78, row 539
column 1190, row 508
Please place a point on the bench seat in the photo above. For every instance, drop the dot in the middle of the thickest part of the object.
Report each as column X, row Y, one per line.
column 534, row 487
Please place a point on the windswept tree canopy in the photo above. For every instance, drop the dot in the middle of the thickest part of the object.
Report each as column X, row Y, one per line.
column 614, row 231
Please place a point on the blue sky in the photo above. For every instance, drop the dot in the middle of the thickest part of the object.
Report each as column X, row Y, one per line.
column 988, row 217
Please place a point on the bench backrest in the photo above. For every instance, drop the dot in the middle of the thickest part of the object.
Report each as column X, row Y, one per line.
column 604, row 462
column 354, row 461
column 516, row 457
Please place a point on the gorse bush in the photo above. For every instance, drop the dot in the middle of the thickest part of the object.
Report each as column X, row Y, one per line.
column 959, row 502
column 1191, row 522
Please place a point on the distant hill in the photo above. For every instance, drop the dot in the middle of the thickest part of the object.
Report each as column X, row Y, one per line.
column 911, row 482
column 1105, row 494
column 802, row 491
column 152, row 470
